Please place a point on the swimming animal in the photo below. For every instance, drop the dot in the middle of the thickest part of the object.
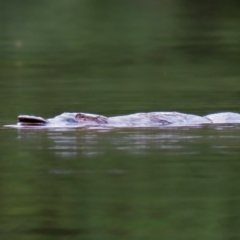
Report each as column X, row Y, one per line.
column 151, row 119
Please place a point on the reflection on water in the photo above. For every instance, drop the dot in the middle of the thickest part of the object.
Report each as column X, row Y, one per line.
column 121, row 183
column 67, row 143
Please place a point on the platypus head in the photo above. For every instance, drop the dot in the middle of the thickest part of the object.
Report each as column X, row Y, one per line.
column 64, row 119
column 87, row 117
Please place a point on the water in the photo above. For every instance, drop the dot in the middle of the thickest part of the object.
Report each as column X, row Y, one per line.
column 114, row 59
column 173, row 183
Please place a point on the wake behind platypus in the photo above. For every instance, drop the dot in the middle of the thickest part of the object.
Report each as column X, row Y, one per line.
column 136, row 120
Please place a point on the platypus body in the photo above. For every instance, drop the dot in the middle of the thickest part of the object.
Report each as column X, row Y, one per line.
column 151, row 119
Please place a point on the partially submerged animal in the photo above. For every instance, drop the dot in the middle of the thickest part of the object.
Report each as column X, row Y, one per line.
column 151, row 119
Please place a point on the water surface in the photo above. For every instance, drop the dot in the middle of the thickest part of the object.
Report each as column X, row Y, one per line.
column 116, row 58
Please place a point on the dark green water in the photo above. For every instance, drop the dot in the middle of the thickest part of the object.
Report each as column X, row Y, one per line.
column 115, row 58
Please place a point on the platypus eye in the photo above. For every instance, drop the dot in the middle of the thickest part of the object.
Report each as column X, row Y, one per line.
column 79, row 116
